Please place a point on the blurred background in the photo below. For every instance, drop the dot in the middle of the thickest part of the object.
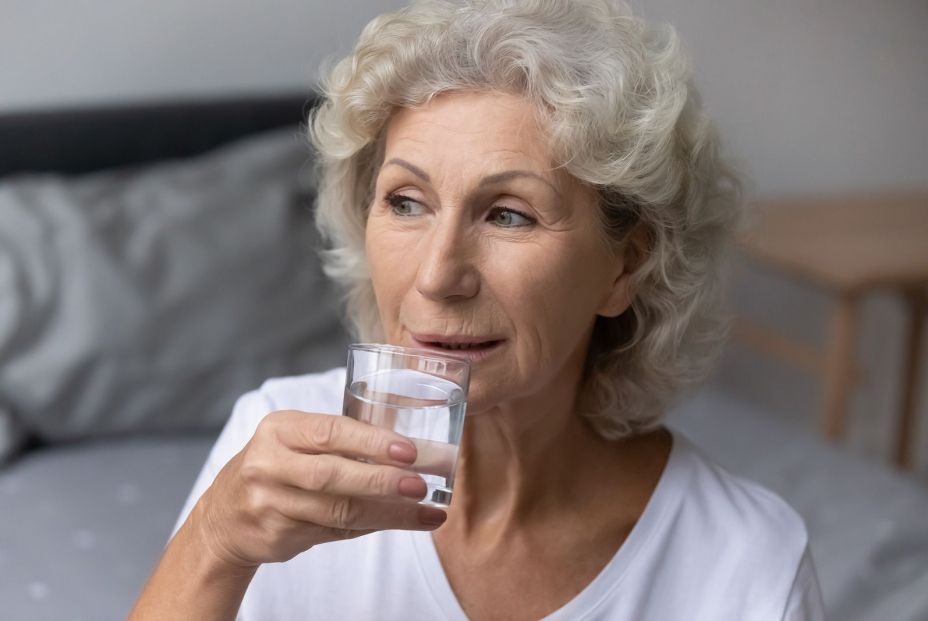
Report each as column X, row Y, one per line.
column 818, row 101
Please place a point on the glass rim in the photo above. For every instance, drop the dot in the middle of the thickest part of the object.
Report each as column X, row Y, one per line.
column 412, row 352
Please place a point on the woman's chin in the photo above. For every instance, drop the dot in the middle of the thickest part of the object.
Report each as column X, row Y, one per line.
column 477, row 411
column 484, row 399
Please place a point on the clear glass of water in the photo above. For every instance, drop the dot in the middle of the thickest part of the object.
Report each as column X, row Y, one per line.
column 419, row 394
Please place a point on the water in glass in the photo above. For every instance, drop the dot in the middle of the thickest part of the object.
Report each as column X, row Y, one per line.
column 428, row 410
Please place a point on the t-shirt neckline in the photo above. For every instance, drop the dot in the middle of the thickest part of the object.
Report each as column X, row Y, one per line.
column 662, row 504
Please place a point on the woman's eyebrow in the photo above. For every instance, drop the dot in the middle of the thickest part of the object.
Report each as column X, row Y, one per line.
column 511, row 174
column 410, row 167
column 488, row 180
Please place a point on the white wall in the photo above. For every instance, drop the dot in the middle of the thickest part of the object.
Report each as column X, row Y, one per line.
column 814, row 95
column 55, row 53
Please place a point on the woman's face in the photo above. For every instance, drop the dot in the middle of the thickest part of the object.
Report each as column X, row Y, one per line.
column 473, row 238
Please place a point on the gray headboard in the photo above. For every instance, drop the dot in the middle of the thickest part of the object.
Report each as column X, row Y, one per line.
column 81, row 140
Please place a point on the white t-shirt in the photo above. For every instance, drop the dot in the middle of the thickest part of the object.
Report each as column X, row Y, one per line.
column 709, row 546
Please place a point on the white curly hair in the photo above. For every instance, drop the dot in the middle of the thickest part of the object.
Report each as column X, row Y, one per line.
column 616, row 97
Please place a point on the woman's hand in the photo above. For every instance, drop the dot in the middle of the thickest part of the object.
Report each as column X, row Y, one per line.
column 297, row 483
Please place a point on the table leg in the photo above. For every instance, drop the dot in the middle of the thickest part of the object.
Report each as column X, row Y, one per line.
column 911, row 378
column 839, row 368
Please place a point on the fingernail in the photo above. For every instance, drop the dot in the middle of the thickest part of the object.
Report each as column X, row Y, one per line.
column 432, row 517
column 414, row 487
column 402, row 451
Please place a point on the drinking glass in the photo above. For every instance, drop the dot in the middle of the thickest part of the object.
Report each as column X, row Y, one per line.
column 418, row 393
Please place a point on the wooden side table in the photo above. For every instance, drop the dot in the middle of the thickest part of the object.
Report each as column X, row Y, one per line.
column 849, row 245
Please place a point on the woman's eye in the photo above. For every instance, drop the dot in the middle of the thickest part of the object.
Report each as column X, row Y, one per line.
column 404, row 206
column 509, row 218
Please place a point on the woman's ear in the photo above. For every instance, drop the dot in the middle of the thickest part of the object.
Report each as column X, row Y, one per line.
column 632, row 254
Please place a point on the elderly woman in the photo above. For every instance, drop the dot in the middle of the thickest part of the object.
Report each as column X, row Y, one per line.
column 536, row 181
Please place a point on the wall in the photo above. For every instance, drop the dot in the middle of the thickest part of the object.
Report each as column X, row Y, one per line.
column 814, row 95
column 811, row 94
column 84, row 51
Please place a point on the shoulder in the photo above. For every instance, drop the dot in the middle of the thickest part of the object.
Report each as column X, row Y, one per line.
column 321, row 393
column 313, row 392
column 737, row 508
column 745, row 534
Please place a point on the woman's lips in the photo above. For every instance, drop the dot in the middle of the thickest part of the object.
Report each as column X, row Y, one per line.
column 470, row 348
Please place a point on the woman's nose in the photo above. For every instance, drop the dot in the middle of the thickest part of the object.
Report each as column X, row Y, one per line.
column 446, row 268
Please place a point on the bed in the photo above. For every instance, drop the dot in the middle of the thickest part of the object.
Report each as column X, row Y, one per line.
column 158, row 260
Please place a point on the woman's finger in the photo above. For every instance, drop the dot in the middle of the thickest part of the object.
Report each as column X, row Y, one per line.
column 347, row 513
column 323, row 433
column 434, row 457
column 339, row 476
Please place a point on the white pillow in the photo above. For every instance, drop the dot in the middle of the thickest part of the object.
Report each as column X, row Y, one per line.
column 149, row 299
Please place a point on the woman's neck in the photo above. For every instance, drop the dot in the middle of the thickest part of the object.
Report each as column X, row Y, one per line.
column 517, row 460
column 533, row 461
column 547, row 467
